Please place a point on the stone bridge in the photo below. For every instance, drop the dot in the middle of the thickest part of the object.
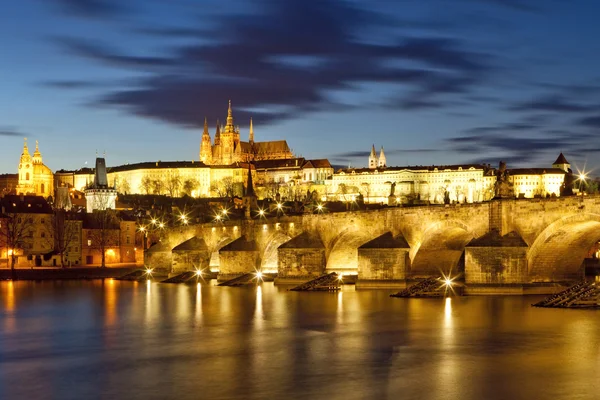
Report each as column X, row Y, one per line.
column 495, row 243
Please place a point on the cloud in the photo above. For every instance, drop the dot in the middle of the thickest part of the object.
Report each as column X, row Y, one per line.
column 552, row 103
column 10, row 132
column 91, row 8
column 590, row 122
column 273, row 62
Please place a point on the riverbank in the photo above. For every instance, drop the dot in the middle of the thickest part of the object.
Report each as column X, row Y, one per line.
column 36, row 274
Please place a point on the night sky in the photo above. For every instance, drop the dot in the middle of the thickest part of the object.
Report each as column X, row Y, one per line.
column 434, row 82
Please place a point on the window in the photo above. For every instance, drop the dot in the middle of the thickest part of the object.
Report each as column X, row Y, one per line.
column 43, row 234
column 27, row 176
column 89, row 242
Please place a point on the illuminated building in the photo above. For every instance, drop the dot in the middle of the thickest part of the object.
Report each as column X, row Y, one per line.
column 34, row 177
column 228, row 148
column 532, row 182
column 460, row 183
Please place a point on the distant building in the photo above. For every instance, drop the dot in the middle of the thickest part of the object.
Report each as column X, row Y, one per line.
column 34, row 177
column 470, row 183
column 228, row 148
column 540, row 182
column 99, row 195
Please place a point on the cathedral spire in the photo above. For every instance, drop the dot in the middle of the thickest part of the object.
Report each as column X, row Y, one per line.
column 251, row 139
column 205, row 127
column 373, row 158
column 229, row 128
column 381, row 162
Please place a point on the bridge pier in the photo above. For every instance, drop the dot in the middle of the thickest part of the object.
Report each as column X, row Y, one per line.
column 383, row 262
column 495, row 260
column 238, row 258
column 300, row 259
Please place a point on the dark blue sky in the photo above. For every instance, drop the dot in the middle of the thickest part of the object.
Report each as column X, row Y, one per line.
column 436, row 81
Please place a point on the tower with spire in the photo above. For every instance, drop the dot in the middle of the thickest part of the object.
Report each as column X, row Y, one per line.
column 373, row 158
column 34, row 177
column 381, row 163
column 228, row 148
column 206, row 145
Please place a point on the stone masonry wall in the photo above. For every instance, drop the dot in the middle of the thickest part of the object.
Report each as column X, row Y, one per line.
column 382, row 264
column 238, row 262
column 294, row 263
column 495, row 265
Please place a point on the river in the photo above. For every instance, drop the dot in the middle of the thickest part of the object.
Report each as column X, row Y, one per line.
column 111, row 340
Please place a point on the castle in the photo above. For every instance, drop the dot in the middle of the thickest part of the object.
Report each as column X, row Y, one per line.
column 228, row 149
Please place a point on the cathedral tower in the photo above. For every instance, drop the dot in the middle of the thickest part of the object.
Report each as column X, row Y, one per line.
column 381, row 162
column 373, row 158
column 205, row 145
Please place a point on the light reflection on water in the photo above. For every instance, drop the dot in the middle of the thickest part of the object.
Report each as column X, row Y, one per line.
column 113, row 339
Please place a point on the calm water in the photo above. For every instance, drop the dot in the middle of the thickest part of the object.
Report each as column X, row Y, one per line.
column 109, row 340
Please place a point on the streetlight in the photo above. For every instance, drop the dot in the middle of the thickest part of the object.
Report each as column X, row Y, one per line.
column 261, row 213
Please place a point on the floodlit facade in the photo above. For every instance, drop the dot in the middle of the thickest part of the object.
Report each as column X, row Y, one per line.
column 532, row 182
column 460, row 183
column 34, row 178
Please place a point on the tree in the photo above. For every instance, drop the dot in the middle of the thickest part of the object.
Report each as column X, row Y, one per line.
column 157, row 186
column 123, row 186
column 224, row 188
column 173, row 183
column 189, row 186
column 16, row 228
column 366, row 190
column 146, row 184
column 65, row 232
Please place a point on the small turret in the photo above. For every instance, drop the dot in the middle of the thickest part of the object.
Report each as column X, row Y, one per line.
column 373, row 158
column 381, row 162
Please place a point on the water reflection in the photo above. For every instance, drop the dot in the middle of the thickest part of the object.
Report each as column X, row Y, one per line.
column 198, row 304
column 141, row 341
column 110, row 303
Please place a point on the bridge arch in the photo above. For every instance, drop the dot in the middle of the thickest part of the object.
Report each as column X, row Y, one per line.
column 342, row 252
column 269, row 258
column 215, row 261
column 439, row 249
column 559, row 250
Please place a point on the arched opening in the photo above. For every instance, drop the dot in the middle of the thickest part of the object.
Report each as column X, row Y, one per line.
column 27, row 176
column 42, row 188
column 342, row 252
column 269, row 256
column 440, row 250
column 558, row 253
column 215, row 261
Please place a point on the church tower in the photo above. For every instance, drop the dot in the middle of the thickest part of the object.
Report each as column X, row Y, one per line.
column 228, row 139
column 205, row 145
column 373, row 158
column 37, row 156
column 381, row 163
column 25, row 184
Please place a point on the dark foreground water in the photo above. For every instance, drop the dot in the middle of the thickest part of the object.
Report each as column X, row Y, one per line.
column 122, row 340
